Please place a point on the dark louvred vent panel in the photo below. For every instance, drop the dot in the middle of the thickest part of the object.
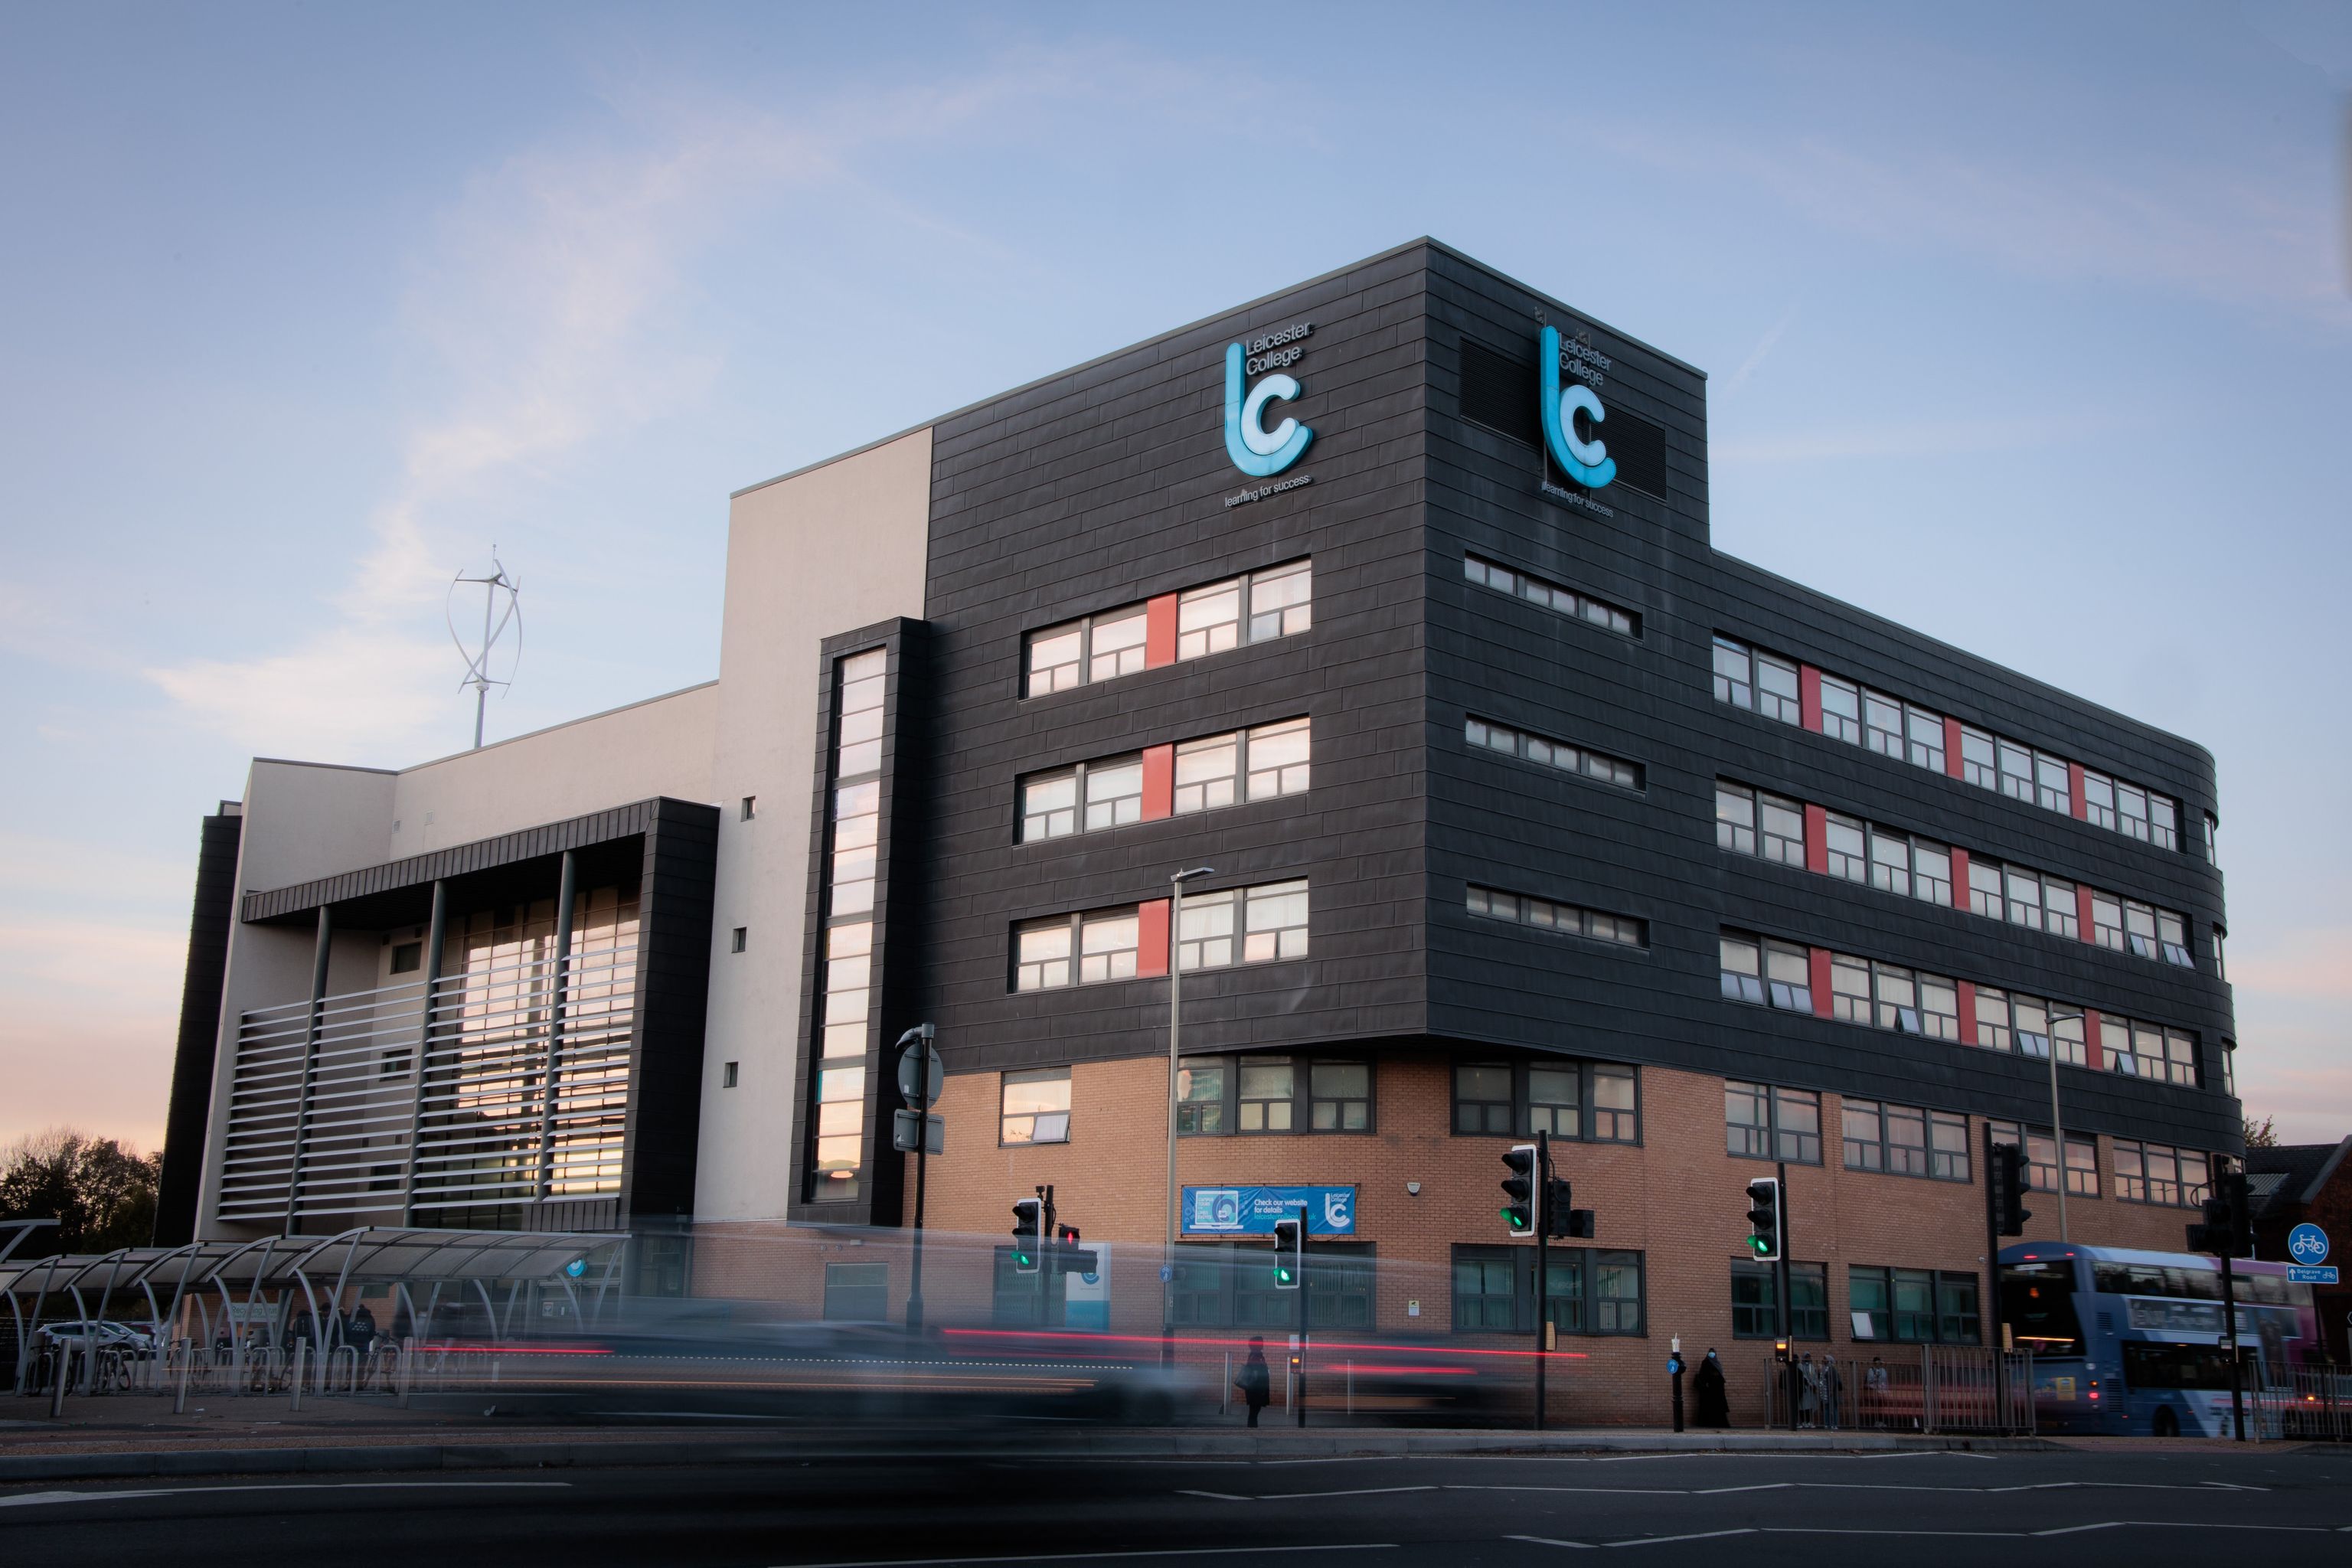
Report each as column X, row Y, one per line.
column 1499, row 392
column 1640, row 448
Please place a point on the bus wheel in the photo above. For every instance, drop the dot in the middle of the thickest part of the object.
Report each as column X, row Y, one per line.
column 2167, row 1423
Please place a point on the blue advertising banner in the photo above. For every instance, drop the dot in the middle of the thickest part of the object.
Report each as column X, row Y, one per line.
column 1252, row 1211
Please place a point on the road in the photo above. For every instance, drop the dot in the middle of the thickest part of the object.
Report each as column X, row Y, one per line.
column 2272, row 1506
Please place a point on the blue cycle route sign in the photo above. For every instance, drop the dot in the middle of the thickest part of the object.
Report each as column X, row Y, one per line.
column 2306, row 1245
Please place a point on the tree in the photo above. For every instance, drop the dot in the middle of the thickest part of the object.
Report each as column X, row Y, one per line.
column 2260, row 1134
column 101, row 1195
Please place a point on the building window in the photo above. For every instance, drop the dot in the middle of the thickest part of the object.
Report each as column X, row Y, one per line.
column 1912, row 1306
column 2154, row 1174
column 730, row 1075
column 2053, row 790
column 740, row 940
column 2099, row 799
column 1555, row 1102
column 1116, row 643
column 1208, row 774
column 1931, row 872
column 1904, row 1141
column 1552, row 597
column 2162, row 823
column 1041, row 954
column 1755, row 1298
column 1743, row 968
column 848, row 976
column 1281, row 601
column 1926, row 731
column 1114, row 790
column 1054, row 659
column 1276, row 758
column 1272, row 921
column 1624, row 931
column 1616, row 1117
column 1898, row 993
column 1782, row 825
column 1984, row 888
column 1850, row 988
column 2172, row 939
column 1482, row 1098
column 1848, row 848
column 1735, row 817
column 1763, row 1123
column 1209, row 620
column 1788, row 977
column 1890, row 862
column 408, row 958
column 1979, row 763
column 856, row 1292
column 1486, row 1290
column 1588, row 1291
column 1581, row 761
column 1777, row 689
column 1200, row 1099
column 1049, row 805
column 1992, row 1019
column 1036, row 1107
column 1735, row 673
column 2025, row 897
column 1842, row 709
column 1882, row 723
column 1948, row 1146
column 1267, row 1093
column 2061, row 910
column 1340, row 1097
column 2016, row 771
column 2220, row 955
column 750, row 806
column 1107, row 945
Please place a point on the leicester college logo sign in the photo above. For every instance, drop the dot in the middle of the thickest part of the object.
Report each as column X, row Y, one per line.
column 1587, row 462
column 1254, row 449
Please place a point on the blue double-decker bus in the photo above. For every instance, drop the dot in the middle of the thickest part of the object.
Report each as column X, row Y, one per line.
column 2130, row 1342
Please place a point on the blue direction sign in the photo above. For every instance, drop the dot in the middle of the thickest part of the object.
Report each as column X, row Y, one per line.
column 2297, row 1274
column 2307, row 1244
column 1252, row 1211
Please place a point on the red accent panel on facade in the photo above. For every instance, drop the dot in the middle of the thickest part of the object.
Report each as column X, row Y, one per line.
column 2074, row 790
column 1160, row 631
column 1818, row 959
column 2090, row 1037
column 1952, row 748
column 2082, row 927
column 1159, row 782
column 1151, row 938
column 1817, row 838
column 1959, row 879
column 1808, row 696
column 1968, row 1012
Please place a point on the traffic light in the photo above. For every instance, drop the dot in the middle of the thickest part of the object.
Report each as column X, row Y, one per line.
column 1069, row 1258
column 2010, row 1183
column 1028, row 1234
column 1560, row 1211
column 1289, row 1253
column 1523, row 1188
column 2228, row 1230
column 1764, row 1219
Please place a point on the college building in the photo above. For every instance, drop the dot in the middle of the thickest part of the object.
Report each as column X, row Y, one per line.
column 1389, row 600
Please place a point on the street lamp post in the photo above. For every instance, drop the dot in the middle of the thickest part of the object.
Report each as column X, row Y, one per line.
column 1175, row 1002
column 2058, row 1132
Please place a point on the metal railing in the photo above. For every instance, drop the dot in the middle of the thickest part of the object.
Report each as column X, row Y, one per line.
column 1948, row 1389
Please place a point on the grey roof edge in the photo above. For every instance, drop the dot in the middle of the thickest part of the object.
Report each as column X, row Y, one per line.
column 1423, row 242
column 2061, row 694
column 2319, row 1183
column 333, row 767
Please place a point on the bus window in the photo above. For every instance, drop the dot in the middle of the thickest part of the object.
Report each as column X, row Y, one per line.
column 2130, row 1280
column 2269, row 1288
column 2176, row 1366
column 2037, row 1302
column 2193, row 1284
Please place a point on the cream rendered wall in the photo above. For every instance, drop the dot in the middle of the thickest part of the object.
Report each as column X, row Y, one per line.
column 301, row 820
column 824, row 550
column 663, row 745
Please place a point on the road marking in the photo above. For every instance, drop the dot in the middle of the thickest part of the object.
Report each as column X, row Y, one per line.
column 1221, row 1497
column 1299, row 1497
column 1664, row 1540
column 27, row 1500
column 1601, row 1492
column 1814, row 1486
column 2186, row 1524
column 1100, row 1556
column 1548, row 1540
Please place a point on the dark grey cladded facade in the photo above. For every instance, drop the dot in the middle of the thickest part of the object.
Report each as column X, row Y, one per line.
column 1110, row 484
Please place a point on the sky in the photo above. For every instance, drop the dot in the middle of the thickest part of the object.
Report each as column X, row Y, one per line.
column 2027, row 326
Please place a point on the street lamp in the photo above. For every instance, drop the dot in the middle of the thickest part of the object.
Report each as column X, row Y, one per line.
column 2057, row 1132
column 1175, row 1001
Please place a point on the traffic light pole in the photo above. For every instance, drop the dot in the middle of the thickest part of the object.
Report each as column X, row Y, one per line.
column 1299, row 1389
column 1780, row 1315
column 2230, row 1317
column 1543, row 1273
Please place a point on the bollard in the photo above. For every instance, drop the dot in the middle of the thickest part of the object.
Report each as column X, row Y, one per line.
column 407, row 1367
column 180, row 1398
column 1674, row 1369
column 64, row 1361
column 301, row 1356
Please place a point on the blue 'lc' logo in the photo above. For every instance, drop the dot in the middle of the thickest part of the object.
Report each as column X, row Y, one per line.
column 1587, row 462
column 1254, row 449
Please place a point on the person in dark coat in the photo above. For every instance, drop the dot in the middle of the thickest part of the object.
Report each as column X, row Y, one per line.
column 1256, row 1381
column 1713, row 1403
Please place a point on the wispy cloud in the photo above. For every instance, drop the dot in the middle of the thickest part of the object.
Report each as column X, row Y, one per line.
column 1911, row 438
column 1763, row 349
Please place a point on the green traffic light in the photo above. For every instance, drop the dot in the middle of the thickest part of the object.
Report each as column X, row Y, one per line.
column 1759, row 1245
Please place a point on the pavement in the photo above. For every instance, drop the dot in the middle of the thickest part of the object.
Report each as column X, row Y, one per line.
column 2278, row 1505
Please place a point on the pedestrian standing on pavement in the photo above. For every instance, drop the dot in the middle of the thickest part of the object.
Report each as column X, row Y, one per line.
column 1874, row 1390
column 1714, row 1407
column 1256, row 1381
column 1809, row 1392
column 1831, row 1385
